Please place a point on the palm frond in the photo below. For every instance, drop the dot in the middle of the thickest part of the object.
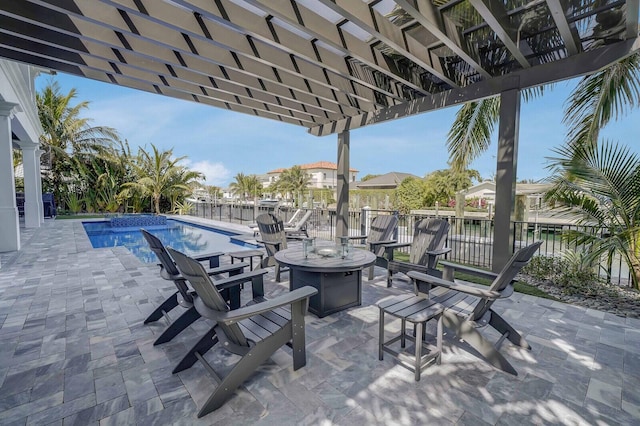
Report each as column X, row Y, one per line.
column 470, row 134
column 601, row 97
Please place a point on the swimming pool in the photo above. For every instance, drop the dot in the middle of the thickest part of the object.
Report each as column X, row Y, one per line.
column 188, row 238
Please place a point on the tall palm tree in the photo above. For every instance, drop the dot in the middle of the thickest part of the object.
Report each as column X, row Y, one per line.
column 156, row 173
column 292, row 181
column 239, row 187
column 597, row 99
column 183, row 182
column 66, row 133
column 601, row 186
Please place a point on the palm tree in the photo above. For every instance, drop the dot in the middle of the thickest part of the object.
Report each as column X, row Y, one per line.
column 601, row 186
column 600, row 97
column 156, row 174
column 292, row 181
column 597, row 99
column 239, row 187
column 66, row 134
column 183, row 182
column 246, row 186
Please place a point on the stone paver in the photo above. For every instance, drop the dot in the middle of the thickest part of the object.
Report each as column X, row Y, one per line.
column 74, row 351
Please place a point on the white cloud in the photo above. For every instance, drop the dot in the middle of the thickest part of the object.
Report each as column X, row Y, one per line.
column 215, row 173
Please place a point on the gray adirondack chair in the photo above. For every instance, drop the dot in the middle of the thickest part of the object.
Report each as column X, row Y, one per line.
column 184, row 296
column 274, row 238
column 254, row 332
column 380, row 234
column 468, row 308
column 429, row 237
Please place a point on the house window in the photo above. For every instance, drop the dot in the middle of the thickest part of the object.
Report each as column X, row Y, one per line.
column 325, row 175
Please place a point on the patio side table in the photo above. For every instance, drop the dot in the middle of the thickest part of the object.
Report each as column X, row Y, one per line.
column 242, row 255
column 418, row 311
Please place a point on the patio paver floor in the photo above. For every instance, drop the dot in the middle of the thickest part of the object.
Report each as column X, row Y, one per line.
column 73, row 350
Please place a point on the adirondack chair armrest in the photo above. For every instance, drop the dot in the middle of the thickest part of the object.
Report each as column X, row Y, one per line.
column 357, row 237
column 213, row 258
column 394, row 245
column 275, row 244
column 298, row 295
column 439, row 252
column 235, row 280
column 382, row 243
column 457, row 286
column 452, row 267
column 228, row 268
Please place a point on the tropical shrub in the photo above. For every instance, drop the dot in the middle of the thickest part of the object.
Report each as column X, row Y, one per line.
column 599, row 185
column 73, row 202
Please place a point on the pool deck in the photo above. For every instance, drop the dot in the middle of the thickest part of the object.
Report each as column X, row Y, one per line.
column 74, row 351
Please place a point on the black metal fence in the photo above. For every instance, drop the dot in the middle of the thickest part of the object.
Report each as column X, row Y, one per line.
column 470, row 239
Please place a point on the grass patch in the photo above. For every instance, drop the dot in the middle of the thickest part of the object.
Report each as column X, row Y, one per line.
column 518, row 286
column 79, row 216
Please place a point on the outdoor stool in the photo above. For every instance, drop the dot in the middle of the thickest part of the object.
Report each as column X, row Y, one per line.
column 416, row 310
column 242, row 255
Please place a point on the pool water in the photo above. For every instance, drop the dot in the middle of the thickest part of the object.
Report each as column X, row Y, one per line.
column 188, row 238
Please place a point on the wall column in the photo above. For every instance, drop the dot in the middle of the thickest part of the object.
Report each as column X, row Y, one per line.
column 32, row 209
column 342, row 208
column 9, row 224
column 506, row 177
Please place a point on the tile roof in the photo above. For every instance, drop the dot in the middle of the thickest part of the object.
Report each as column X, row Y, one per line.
column 317, row 165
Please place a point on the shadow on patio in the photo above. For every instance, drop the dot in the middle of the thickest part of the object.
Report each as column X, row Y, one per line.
column 74, row 350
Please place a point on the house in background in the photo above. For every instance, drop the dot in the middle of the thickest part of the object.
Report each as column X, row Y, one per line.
column 389, row 180
column 322, row 175
column 487, row 191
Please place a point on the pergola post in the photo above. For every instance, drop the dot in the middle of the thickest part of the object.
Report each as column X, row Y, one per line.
column 506, row 177
column 10, row 229
column 342, row 195
column 39, row 153
column 32, row 197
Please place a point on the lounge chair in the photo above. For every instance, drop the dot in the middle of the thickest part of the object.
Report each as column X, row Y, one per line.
column 290, row 225
column 300, row 227
column 183, row 296
column 468, row 308
column 293, row 220
column 254, row 332
column 429, row 236
column 380, row 234
column 274, row 238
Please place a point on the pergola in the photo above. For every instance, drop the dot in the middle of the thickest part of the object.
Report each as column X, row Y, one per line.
column 331, row 65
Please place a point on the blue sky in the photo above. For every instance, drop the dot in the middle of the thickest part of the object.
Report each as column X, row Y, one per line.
column 221, row 144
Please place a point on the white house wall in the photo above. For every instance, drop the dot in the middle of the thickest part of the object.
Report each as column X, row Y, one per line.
column 19, row 118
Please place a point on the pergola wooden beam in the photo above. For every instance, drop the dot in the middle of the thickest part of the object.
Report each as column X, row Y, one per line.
column 573, row 66
column 495, row 15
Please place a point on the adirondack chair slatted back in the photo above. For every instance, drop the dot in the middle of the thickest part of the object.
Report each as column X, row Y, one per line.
column 169, row 269
column 271, row 231
column 193, row 271
column 381, row 229
column 504, row 279
column 429, row 235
